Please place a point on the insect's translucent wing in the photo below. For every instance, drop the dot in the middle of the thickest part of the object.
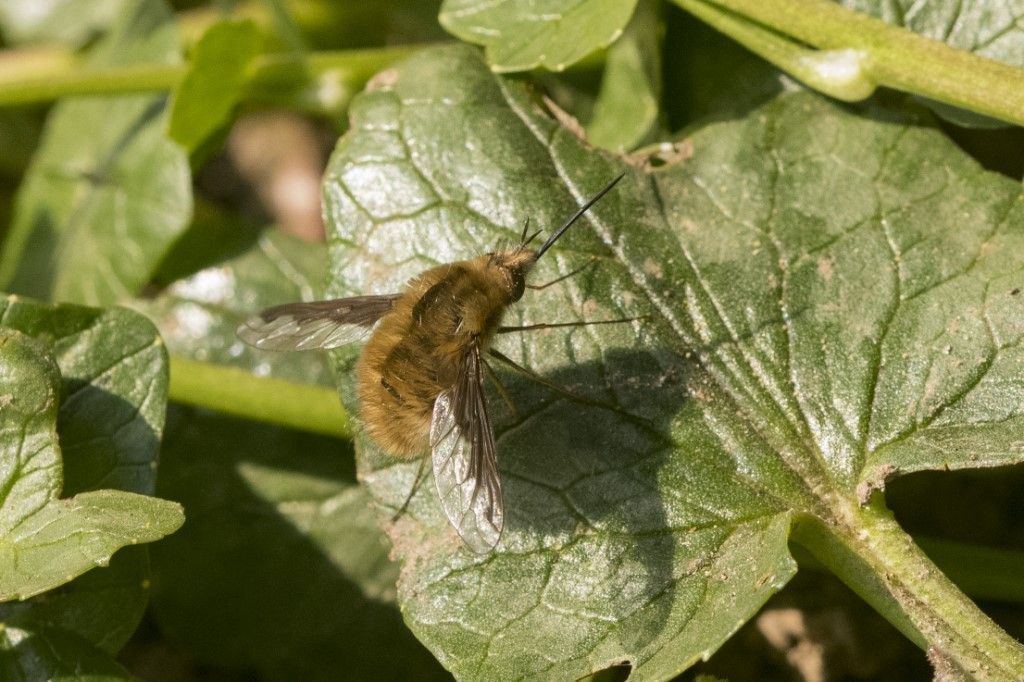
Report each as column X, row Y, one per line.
column 464, row 462
column 319, row 324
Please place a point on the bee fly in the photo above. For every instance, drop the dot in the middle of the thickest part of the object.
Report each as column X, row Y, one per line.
column 421, row 374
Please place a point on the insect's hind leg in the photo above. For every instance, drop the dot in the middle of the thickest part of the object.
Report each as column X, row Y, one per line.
column 412, row 491
column 502, row 391
column 555, row 325
column 547, row 383
column 538, row 287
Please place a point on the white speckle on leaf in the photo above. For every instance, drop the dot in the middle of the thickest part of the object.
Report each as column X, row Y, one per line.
column 826, row 267
column 652, row 267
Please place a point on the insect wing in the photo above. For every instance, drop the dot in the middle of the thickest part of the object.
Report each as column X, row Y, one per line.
column 464, row 462
column 319, row 324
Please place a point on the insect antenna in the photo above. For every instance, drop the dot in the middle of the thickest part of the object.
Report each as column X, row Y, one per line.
column 525, row 240
column 576, row 216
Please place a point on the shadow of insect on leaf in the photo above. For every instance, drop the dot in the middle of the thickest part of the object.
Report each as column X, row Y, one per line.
column 584, row 477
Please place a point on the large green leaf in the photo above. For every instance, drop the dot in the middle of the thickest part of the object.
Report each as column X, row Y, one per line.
column 107, row 193
column 47, row 541
column 810, row 313
column 523, row 34
column 282, row 567
column 114, row 370
column 113, row 396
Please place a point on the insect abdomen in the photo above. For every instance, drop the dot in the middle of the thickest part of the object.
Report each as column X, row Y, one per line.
column 415, row 352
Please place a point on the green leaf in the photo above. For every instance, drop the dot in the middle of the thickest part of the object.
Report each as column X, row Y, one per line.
column 114, row 371
column 987, row 28
column 197, row 314
column 107, row 194
column 627, row 107
column 281, row 568
column 521, row 34
column 55, row 655
column 114, row 387
column 789, row 346
column 47, row 541
column 205, row 99
column 57, row 21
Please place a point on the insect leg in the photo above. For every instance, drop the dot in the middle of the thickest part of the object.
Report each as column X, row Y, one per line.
column 530, row 374
column 412, row 491
column 502, row 391
column 538, row 287
column 553, row 325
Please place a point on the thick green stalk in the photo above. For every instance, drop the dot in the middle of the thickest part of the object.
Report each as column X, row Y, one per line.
column 307, row 407
column 836, row 73
column 982, row 572
column 43, row 79
column 869, row 551
column 854, row 47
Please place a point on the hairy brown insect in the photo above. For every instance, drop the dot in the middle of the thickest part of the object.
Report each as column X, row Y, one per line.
column 421, row 374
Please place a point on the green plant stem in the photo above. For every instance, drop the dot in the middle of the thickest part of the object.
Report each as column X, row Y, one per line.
column 307, row 407
column 43, row 80
column 837, row 74
column 982, row 572
column 874, row 556
column 869, row 52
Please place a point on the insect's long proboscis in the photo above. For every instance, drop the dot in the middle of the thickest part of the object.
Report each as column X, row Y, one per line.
column 576, row 216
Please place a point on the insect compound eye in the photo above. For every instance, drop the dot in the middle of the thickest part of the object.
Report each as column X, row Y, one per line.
column 517, row 284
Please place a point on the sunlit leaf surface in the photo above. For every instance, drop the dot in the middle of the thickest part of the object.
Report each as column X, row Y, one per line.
column 814, row 323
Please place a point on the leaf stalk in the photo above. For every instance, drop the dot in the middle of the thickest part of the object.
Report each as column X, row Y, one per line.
column 39, row 76
column 847, row 54
column 234, row 391
column 872, row 554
